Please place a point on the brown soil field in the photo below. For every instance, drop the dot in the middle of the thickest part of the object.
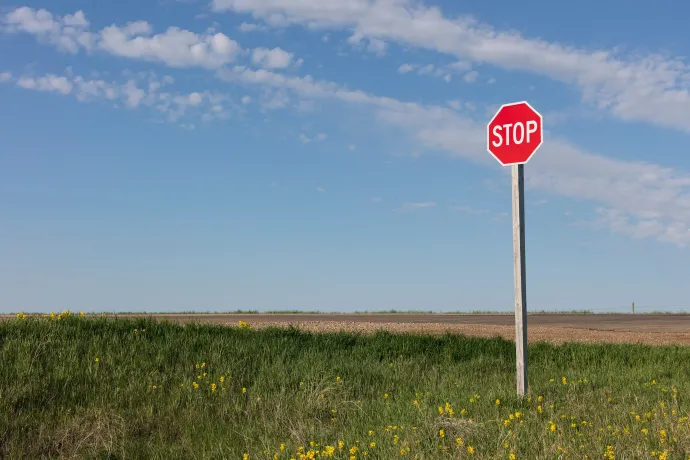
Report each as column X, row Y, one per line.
column 651, row 329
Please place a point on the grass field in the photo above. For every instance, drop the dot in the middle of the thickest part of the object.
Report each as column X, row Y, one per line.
column 376, row 312
column 74, row 387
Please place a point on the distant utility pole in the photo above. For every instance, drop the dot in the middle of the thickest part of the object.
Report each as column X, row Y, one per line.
column 633, row 308
column 513, row 135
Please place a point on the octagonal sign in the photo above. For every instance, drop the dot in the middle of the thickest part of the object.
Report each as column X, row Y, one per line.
column 514, row 133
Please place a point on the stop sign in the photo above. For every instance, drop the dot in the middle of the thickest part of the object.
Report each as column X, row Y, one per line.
column 514, row 133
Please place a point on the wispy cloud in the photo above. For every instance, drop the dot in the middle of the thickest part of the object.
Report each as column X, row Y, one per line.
column 137, row 91
column 176, row 47
column 251, row 27
column 469, row 209
column 651, row 88
column 639, row 199
column 638, row 190
column 415, row 205
column 318, row 138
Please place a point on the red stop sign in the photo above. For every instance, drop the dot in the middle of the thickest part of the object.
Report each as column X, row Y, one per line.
column 514, row 133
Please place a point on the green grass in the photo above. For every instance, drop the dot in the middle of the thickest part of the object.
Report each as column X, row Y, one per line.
column 116, row 388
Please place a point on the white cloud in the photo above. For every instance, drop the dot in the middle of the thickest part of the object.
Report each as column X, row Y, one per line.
column 471, row 77
column 195, row 99
column 320, row 189
column 352, row 147
column 376, row 199
column 425, row 70
column 373, row 45
column 454, row 104
column 318, row 138
column 176, row 47
column 411, row 206
column 676, row 233
column 272, row 99
column 88, row 90
column 634, row 198
column 49, row 83
column 68, row 33
column 275, row 58
column 139, row 90
column 133, row 95
column 246, row 100
column 470, row 210
column 460, row 66
column 377, row 46
column 249, row 27
column 428, row 69
column 638, row 191
column 651, row 88
column 5, row 76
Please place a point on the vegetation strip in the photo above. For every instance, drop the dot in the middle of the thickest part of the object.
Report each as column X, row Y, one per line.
column 90, row 387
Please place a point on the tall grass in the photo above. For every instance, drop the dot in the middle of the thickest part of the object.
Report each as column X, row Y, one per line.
column 115, row 388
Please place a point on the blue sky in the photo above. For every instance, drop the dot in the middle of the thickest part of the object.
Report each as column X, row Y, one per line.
column 330, row 155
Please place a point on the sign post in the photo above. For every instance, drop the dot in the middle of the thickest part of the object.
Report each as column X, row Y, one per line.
column 513, row 135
